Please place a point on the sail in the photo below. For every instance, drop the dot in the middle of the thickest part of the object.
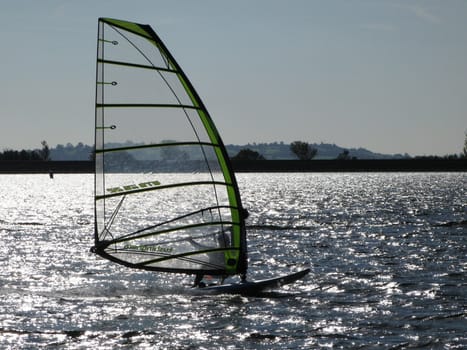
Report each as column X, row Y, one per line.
column 166, row 198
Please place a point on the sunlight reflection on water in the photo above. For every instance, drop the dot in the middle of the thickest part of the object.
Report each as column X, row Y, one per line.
column 387, row 252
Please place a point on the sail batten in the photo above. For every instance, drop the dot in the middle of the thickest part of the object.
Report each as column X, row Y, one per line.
column 144, row 105
column 155, row 145
column 135, row 65
column 165, row 257
column 144, row 187
column 166, row 198
column 139, row 235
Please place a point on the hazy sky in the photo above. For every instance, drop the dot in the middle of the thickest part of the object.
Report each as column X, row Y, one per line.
column 387, row 75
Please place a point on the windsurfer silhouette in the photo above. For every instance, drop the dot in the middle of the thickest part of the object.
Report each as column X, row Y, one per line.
column 223, row 241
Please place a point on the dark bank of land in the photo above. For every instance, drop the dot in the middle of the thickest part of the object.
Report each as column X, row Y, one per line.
column 354, row 165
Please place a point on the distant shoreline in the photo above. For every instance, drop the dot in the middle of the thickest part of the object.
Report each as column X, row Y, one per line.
column 355, row 165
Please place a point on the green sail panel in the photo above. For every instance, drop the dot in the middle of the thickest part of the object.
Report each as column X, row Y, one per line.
column 166, row 198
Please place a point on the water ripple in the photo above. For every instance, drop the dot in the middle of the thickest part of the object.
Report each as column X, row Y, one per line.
column 388, row 255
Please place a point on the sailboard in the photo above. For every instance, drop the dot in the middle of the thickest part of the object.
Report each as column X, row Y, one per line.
column 166, row 198
column 252, row 288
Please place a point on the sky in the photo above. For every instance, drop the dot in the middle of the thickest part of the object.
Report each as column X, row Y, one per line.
column 386, row 75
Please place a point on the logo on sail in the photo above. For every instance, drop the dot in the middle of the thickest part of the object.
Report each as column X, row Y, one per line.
column 149, row 248
column 135, row 187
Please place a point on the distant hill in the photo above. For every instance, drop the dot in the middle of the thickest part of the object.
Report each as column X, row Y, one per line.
column 280, row 150
column 270, row 151
column 71, row 152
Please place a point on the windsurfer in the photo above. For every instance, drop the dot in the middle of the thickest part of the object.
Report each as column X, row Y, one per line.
column 223, row 241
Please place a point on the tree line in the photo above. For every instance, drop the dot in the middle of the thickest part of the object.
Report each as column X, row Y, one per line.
column 42, row 154
column 299, row 149
column 302, row 150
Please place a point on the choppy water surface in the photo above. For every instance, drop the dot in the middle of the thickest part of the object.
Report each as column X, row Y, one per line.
column 388, row 256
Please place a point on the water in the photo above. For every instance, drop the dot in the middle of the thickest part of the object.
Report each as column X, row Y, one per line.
column 388, row 256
